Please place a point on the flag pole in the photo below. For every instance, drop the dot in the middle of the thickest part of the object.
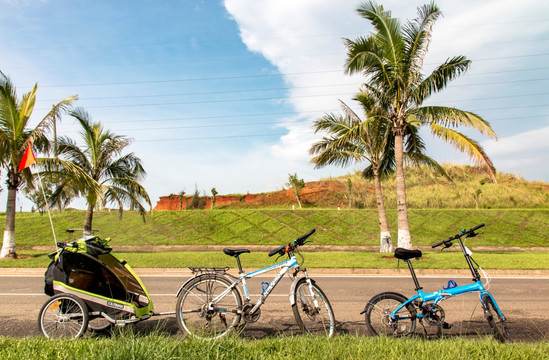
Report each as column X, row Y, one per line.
column 27, row 160
column 48, row 209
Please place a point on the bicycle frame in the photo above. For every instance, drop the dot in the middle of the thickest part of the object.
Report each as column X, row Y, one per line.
column 284, row 267
column 437, row 296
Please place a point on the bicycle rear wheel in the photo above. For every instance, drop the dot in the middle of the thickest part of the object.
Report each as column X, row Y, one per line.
column 63, row 317
column 199, row 316
column 312, row 310
column 378, row 319
column 496, row 320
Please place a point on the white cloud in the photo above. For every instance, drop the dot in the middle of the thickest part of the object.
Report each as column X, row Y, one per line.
column 530, row 141
column 303, row 39
column 524, row 153
column 285, row 32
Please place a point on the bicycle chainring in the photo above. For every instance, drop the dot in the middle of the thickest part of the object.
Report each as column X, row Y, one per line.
column 434, row 314
column 250, row 317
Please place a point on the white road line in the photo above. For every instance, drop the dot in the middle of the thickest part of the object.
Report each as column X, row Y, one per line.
column 152, row 295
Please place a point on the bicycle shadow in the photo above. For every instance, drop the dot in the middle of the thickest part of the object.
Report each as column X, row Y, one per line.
column 523, row 330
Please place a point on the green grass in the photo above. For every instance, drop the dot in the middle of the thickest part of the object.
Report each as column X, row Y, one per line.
column 504, row 227
column 128, row 346
column 320, row 260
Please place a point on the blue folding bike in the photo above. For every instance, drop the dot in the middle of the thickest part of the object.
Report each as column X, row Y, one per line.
column 391, row 313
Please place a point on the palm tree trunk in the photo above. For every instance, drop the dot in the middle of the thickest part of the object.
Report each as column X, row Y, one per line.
column 8, row 243
column 88, row 221
column 404, row 237
column 385, row 242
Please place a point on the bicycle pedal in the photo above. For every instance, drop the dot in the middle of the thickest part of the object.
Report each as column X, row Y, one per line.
column 445, row 325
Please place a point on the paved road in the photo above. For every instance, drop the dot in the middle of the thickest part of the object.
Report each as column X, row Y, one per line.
column 21, row 298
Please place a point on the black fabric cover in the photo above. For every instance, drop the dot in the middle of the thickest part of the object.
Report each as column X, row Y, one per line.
column 95, row 271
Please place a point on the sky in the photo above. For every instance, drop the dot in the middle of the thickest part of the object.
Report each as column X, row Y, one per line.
column 223, row 93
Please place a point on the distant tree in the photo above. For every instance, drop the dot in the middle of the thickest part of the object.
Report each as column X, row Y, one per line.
column 197, row 202
column 214, row 194
column 296, row 185
column 98, row 170
column 181, row 197
column 15, row 137
column 350, row 192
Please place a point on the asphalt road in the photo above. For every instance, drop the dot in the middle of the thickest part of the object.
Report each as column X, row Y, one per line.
column 524, row 301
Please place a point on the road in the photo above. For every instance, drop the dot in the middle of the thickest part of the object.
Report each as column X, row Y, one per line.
column 523, row 301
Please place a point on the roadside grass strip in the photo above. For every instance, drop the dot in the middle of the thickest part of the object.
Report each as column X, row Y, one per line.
column 128, row 345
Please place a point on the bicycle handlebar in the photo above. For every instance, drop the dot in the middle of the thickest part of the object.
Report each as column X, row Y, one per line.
column 467, row 233
column 281, row 250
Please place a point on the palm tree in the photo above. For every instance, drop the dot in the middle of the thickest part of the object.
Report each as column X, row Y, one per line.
column 369, row 139
column 111, row 176
column 392, row 59
column 14, row 138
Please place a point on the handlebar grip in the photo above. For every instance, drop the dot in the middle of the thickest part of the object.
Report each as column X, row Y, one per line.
column 476, row 227
column 447, row 242
column 278, row 250
column 300, row 240
column 468, row 232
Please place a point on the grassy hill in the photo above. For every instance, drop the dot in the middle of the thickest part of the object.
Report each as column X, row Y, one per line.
column 515, row 211
column 504, row 227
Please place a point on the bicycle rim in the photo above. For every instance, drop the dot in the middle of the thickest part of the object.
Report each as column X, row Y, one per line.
column 194, row 314
column 63, row 317
column 313, row 319
column 378, row 316
column 497, row 322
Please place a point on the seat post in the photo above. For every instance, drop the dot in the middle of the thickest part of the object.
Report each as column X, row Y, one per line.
column 239, row 265
column 414, row 277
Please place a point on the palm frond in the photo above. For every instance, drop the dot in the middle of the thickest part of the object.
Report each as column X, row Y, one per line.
column 417, row 35
column 465, row 145
column 452, row 117
column 440, row 77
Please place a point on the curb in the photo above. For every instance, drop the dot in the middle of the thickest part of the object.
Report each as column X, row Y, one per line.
column 267, row 248
column 313, row 272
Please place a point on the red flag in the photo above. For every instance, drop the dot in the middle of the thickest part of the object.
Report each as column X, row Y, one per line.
column 28, row 158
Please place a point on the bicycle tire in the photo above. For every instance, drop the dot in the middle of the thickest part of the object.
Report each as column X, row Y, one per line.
column 377, row 313
column 196, row 319
column 63, row 316
column 497, row 322
column 312, row 319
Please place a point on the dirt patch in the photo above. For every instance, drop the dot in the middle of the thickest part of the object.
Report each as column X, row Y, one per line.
column 326, row 193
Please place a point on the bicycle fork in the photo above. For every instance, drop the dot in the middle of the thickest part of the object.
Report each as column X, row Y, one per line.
column 310, row 282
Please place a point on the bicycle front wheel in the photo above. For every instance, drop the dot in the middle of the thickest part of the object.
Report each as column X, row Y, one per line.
column 312, row 310
column 207, row 307
column 63, row 317
column 496, row 320
column 378, row 315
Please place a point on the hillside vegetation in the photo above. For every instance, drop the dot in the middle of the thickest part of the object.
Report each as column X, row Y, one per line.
column 465, row 187
column 516, row 213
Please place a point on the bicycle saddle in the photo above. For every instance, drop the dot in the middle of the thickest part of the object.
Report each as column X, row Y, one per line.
column 235, row 252
column 405, row 254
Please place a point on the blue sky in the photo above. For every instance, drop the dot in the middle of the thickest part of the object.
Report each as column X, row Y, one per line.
column 223, row 93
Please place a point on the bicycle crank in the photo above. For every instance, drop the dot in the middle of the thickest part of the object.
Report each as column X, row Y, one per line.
column 248, row 316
